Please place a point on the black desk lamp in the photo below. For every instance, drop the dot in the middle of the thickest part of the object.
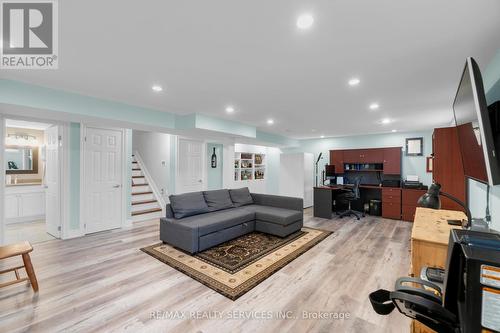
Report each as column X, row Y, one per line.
column 316, row 173
column 431, row 200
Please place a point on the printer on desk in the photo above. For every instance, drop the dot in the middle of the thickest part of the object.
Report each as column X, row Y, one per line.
column 412, row 182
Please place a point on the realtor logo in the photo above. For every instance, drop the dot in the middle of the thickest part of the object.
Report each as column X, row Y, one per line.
column 29, row 34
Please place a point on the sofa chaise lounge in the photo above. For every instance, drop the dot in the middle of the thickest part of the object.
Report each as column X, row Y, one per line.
column 200, row 220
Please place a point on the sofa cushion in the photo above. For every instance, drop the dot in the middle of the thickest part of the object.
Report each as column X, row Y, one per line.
column 188, row 204
column 241, row 197
column 275, row 215
column 217, row 221
column 218, row 200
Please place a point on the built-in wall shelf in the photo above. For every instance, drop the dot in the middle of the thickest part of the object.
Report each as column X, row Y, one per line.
column 249, row 166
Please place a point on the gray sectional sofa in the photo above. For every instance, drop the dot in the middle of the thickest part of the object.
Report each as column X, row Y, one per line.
column 199, row 220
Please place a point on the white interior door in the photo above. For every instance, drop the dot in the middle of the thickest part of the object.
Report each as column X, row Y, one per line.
column 190, row 166
column 52, row 182
column 103, row 163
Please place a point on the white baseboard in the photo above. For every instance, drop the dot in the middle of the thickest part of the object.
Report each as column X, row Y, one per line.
column 24, row 219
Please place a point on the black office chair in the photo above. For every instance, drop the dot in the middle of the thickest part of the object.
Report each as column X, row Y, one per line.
column 349, row 196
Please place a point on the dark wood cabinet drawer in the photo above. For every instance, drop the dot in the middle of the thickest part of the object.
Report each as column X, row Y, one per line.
column 391, row 191
column 391, row 197
column 391, row 210
column 408, row 212
column 411, row 196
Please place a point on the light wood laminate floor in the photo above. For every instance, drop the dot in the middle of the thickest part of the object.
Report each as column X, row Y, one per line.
column 104, row 283
column 33, row 232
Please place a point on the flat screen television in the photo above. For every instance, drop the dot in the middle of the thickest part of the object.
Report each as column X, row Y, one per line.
column 478, row 135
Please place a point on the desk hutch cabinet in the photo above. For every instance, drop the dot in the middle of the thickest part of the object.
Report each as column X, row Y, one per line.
column 389, row 157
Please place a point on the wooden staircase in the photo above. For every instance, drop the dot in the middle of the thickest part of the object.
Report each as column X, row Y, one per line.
column 144, row 204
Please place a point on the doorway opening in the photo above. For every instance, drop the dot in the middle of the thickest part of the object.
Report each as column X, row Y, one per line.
column 32, row 157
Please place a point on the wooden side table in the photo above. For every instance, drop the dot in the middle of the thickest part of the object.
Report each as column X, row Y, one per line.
column 429, row 244
column 19, row 249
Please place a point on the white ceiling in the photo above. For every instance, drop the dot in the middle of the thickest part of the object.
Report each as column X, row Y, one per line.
column 207, row 54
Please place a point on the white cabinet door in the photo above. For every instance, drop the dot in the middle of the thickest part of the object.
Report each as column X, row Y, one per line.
column 11, row 206
column 32, row 204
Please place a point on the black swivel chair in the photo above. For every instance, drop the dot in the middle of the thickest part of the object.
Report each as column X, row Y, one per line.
column 349, row 196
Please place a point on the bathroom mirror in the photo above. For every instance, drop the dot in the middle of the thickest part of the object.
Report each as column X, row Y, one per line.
column 21, row 160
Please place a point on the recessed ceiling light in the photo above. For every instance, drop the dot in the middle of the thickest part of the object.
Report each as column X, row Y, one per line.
column 229, row 109
column 374, row 106
column 386, row 121
column 354, row 81
column 157, row 88
column 305, row 21
column 270, row 121
column 394, row 131
column 322, row 136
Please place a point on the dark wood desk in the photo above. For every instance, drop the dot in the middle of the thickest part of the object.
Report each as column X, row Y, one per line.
column 390, row 197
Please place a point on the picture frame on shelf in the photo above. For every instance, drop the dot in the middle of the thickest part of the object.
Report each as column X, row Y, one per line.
column 246, row 164
column 246, row 156
column 246, row 175
column 259, row 174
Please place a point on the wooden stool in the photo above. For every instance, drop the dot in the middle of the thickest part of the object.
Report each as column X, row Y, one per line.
column 20, row 249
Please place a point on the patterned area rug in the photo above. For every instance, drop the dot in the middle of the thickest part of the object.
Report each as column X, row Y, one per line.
column 235, row 267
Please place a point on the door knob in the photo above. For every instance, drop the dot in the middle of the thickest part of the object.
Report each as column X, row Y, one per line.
column 116, row 186
column 200, row 181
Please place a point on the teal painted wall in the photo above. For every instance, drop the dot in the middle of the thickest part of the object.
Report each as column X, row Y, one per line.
column 477, row 191
column 74, row 175
column 38, row 97
column 491, row 78
column 411, row 165
column 224, row 126
column 214, row 175
column 23, row 94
